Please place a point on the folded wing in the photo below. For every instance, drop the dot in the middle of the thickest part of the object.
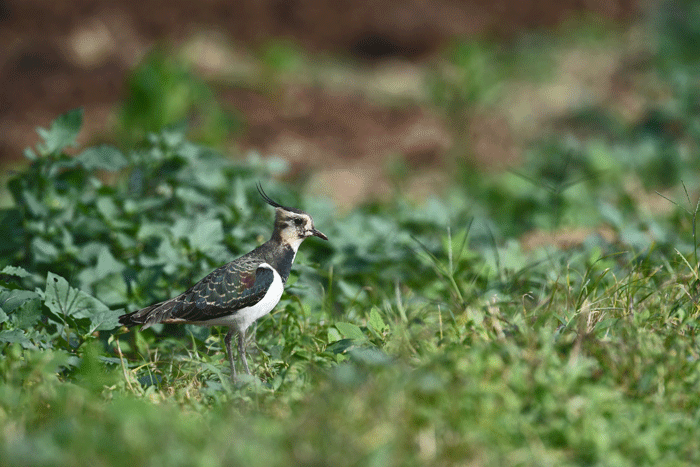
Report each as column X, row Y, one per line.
column 231, row 287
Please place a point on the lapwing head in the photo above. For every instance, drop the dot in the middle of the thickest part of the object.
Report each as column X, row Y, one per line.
column 292, row 225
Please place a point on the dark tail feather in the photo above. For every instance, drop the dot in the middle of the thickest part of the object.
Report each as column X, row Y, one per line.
column 125, row 320
column 146, row 316
column 130, row 319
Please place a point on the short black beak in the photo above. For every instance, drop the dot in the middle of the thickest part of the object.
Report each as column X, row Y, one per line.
column 318, row 234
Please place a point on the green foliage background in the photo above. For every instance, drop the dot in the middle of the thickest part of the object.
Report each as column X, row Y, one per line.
column 418, row 335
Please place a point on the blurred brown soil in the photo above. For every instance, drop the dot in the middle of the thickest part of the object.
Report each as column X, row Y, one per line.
column 58, row 55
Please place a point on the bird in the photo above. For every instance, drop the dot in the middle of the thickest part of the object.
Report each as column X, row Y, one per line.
column 240, row 292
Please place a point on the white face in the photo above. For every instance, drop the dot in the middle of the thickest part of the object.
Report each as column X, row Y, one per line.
column 294, row 227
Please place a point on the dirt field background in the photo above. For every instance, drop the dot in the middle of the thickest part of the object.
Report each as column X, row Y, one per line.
column 344, row 124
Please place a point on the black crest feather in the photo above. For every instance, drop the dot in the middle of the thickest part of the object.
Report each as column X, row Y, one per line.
column 272, row 202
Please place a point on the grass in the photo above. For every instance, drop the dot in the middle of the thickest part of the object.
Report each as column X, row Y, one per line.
column 600, row 371
column 419, row 335
column 402, row 342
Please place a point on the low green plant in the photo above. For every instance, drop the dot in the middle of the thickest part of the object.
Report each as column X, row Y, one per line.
column 163, row 92
column 421, row 334
column 467, row 80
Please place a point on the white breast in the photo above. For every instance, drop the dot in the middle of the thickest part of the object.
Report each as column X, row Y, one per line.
column 244, row 317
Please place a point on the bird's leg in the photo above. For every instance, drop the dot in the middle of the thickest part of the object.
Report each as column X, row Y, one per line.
column 241, row 350
column 227, row 341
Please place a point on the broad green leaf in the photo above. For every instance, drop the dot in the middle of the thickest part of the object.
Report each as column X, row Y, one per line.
column 43, row 251
column 340, row 346
column 193, row 196
column 35, row 206
column 207, row 234
column 349, row 289
column 107, row 207
column 105, row 319
column 11, row 299
column 210, row 174
column 112, row 290
column 27, row 315
column 333, row 335
column 89, row 251
column 141, row 205
column 182, row 227
column 63, row 300
column 376, row 322
column 62, row 133
column 350, row 331
column 152, row 229
column 67, row 302
column 611, row 214
column 110, row 360
column 369, row 356
column 14, row 336
column 203, row 234
column 102, row 157
column 635, row 238
column 167, row 255
column 107, row 264
column 15, row 271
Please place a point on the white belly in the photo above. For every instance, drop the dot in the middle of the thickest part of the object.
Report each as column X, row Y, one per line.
column 244, row 317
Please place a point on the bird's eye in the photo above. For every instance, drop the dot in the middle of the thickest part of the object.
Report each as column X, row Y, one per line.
column 298, row 221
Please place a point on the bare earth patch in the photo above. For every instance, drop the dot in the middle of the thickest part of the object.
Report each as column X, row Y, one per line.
column 369, row 110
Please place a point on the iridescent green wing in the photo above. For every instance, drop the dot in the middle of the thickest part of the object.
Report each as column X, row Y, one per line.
column 239, row 284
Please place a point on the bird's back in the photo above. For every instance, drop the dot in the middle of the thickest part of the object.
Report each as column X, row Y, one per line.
column 233, row 286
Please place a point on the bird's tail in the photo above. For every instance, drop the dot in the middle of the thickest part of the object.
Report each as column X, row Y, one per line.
column 147, row 316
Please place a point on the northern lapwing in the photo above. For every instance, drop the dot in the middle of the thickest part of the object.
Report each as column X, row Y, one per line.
column 240, row 292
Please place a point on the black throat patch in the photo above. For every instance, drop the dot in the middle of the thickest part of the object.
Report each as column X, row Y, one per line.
column 281, row 259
